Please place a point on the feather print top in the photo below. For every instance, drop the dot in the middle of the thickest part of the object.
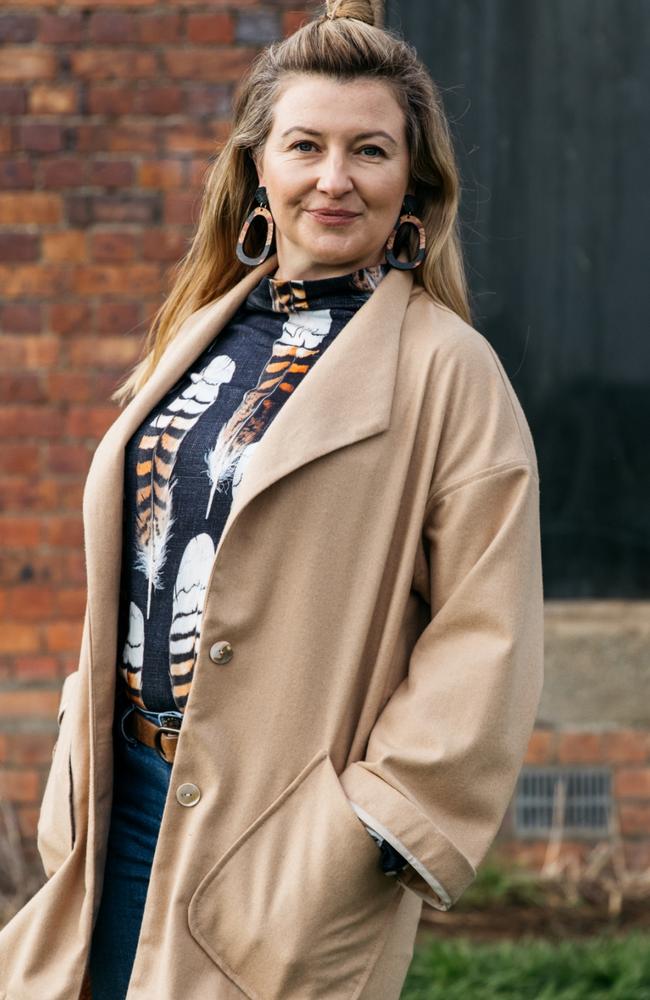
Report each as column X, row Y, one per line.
column 184, row 464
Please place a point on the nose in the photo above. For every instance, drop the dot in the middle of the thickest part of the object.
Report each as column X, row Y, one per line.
column 334, row 179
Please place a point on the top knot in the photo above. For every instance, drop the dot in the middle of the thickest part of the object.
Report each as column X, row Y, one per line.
column 357, row 10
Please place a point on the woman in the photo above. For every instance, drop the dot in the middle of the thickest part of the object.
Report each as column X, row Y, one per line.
column 312, row 651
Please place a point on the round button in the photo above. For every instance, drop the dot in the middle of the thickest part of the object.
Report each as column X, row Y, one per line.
column 221, row 652
column 188, row 794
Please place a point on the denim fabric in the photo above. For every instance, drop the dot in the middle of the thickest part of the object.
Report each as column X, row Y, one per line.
column 141, row 780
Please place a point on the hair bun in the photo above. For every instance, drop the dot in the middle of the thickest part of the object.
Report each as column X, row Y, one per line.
column 359, row 10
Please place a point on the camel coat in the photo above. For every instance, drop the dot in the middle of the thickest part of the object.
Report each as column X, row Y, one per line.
column 379, row 580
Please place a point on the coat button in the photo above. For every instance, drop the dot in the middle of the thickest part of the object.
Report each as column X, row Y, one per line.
column 221, row 652
column 188, row 794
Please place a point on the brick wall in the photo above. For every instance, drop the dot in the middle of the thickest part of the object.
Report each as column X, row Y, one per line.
column 109, row 115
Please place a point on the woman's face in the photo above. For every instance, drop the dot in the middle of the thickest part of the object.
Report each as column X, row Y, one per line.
column 334, row 146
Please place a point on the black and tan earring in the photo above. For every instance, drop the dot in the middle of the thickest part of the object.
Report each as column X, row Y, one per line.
column 261, row 209
column 407, row 217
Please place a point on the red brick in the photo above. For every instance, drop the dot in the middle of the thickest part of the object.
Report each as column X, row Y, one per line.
column 21, row 317
column 96, row 63
column 208, row 29
column 19, row 638
column 67, row 387
column 45, row 99
column 33, row 748
column 63, row 173
column 161, row 174
column 61, row 28
column 90, row 422
column 20, row 459
column 19, row 388
column 292, row 20
column 26, row 280
column 579, row 748
column 70, row 317
column 28, row 421
column 18, row 27
column 181, row 208
column 112, row 279
column 111, row 99
column 156, row 29
column 227, row 63
column 23, row 785
column 20, row 532
column 13, row 100
column 193, row 137
column 66, row 532
column 37, row 668
column 111, row 27
column 41, row 703
column 30, row 603
column 163, row 244
column 113, row 353
column 33, row 208
column 111, row 173
column 632, row 782
column 63, row 636
column 71, row 602
column 140, row 137
column 158, row 100
column 116, row 317
column 41, row 137
column 27, row 63
column 28, row 820
column 69, row 245
column 112, row 245
column 6, row 138
column 65, row 459
column 16, row 174
column 15, row 246
column 626, row 746
column 634, row 818
column 541, row 747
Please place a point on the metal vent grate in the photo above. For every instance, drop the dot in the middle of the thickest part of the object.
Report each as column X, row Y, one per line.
column 587, row 800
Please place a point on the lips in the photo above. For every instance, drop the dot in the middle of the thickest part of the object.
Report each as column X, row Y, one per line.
column 332, row 213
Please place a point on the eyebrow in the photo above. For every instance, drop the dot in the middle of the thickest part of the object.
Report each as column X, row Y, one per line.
column 359, row 135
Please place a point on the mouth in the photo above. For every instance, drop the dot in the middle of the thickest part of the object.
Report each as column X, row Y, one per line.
column 332, row 217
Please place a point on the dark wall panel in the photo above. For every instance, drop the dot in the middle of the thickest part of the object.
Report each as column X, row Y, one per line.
column 549, row 105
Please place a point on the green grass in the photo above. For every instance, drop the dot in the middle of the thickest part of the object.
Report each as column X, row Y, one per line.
column 602, row 968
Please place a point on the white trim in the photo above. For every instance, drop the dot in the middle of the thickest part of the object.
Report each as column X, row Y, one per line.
column 412, row 860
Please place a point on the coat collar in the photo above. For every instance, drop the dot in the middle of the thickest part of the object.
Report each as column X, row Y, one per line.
column 347, row 397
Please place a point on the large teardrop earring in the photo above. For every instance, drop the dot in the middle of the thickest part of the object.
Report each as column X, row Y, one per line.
column 261, row 209
column 407, row 217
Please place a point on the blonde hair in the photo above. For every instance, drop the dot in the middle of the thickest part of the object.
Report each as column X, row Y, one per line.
column 347, row 41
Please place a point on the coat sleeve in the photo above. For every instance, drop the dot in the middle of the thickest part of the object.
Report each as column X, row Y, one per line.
column 444, row 754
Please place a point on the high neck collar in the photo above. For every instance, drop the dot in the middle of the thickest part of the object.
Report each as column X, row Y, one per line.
column 295, row 295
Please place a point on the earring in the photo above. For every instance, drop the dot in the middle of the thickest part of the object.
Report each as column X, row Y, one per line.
column 261, row 209
column 407, row 217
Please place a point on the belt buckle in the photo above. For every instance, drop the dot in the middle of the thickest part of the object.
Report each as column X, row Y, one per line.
column 170, row 725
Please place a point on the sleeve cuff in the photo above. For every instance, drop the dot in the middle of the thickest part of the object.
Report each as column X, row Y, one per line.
column 370, row 796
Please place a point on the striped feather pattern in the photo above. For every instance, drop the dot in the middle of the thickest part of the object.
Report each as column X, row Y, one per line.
column 157, row 453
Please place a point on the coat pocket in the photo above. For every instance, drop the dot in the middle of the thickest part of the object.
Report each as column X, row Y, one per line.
column 55, row 833
column 298, row 906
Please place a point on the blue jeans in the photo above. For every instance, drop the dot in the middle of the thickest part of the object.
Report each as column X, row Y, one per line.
column 141, row 780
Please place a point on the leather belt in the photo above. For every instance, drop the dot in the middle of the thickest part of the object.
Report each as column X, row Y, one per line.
column 162, row 738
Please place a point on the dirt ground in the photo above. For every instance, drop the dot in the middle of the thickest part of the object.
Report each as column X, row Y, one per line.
column 551, row 922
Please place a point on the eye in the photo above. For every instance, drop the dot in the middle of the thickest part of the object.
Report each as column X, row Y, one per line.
column 306, row 142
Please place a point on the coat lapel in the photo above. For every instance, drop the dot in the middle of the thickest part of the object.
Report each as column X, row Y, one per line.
column 346, row 397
